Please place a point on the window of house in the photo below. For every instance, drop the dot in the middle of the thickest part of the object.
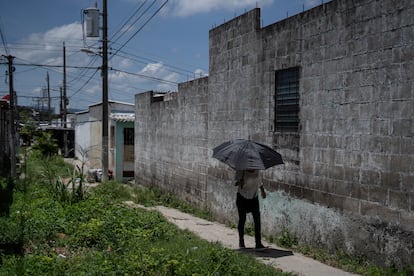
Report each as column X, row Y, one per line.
column 287, row 100
column 128, row 136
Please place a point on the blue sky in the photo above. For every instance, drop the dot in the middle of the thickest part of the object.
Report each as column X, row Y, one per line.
column 171, row 48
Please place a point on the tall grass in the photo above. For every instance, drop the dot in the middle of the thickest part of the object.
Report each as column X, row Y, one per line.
column 99, row 235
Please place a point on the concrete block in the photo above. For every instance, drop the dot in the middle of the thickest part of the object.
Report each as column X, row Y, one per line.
column 391, row 180
column 359, row 191
column 351, row 205
column 351, row 174
column 308, row 194
column 399, row 200
column 378, row 194
column 402, row 127
column 368, row 208
column 370, row 177
column 407, row 221
column 402, row 163
column 407, row 183
column 296, row 191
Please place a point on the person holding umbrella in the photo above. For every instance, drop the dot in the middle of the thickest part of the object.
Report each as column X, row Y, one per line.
column 249, row 182
column 247, row 158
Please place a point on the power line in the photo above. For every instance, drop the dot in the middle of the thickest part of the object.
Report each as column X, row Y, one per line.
column 145, row 76
column 145, row 60
column 54, row 66
column 120, row 29
column 145, row 23
column 82, row 72
column 77, row 91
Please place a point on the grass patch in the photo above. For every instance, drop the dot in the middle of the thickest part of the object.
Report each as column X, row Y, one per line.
column 99, row 235
column 285, row 239
column 154, row 196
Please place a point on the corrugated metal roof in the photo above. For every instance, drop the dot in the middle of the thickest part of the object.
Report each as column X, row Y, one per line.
column 122, row 117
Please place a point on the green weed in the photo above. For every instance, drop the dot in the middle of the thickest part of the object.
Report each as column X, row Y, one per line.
column 286, row 238
column 99, row 235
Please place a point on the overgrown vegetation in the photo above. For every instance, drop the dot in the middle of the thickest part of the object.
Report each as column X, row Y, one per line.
column 154, row 196
column 52, row 230
column 339, row 259
column 285, row 239
column 56, row 227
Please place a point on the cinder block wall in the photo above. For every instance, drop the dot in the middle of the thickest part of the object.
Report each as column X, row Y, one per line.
column 348, row 180
column 171, row 139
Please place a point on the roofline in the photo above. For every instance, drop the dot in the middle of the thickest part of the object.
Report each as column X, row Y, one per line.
column 111, row 101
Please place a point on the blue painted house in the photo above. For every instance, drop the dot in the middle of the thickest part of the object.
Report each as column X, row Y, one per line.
column 122, row 145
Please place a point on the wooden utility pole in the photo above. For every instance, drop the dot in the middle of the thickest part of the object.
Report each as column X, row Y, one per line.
column 65, row 103
column 12, row 118
column 49, row 111
column 104, row 69
column 105, row 139
column 61, row 107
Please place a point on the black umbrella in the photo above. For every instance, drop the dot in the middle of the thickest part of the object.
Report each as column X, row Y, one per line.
column 241, row 154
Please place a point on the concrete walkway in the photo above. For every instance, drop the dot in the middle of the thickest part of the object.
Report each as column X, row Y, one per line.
column 277, row 257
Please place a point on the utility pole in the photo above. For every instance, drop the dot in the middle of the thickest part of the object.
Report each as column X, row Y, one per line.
column 61, row 106
column 12, row 118
column 104, row 91
column 93, row 32
column 64, row 86
column 65, row 102
column 48, row 99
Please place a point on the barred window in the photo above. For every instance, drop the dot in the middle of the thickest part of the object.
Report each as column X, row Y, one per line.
column 287, row 100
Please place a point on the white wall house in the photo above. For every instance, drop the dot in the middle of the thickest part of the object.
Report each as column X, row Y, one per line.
column 88, row 135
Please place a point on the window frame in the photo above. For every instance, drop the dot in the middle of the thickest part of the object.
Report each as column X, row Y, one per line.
column 128, row 133
column 287, row 96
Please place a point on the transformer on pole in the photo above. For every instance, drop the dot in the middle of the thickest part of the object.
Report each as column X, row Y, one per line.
column 91, row 21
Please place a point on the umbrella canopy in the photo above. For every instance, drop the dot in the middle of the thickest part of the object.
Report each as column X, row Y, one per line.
column 241, row 154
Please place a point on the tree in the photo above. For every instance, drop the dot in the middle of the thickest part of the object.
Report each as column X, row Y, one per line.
column 29, row 126
column 46, row 144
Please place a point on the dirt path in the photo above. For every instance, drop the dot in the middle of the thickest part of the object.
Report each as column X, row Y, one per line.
column 277, row 257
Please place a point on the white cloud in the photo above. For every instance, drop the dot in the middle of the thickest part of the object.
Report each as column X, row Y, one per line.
column 192, row 7
column 200, row 73
column 49, row 45
column 160, row 72
column 152, row 69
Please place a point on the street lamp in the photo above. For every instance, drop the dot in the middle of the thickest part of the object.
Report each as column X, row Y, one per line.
column 88, row 51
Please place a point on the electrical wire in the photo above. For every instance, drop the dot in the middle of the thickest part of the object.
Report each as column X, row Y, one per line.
column 55, row 66
column 145, row 76
column 77, row 91
column 81, row 73
column 145, row 60
column 121, row 29
column 145, row 23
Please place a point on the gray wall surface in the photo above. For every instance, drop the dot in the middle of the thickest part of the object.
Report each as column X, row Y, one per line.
column 348, row 178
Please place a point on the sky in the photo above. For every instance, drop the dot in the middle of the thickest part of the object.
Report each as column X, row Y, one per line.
column 153, row 45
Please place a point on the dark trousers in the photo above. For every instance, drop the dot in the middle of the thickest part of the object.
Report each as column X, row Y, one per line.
column 245, row 206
